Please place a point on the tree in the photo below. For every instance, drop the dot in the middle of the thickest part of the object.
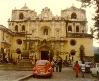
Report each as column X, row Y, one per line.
column 86, row 3
column 82, row 53
column 96, row 58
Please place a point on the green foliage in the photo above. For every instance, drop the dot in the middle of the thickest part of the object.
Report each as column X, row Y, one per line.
column 96, row 57
column 82, row 53
column 86, row 3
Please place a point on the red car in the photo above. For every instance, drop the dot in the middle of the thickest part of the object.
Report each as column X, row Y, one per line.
column 42, row 68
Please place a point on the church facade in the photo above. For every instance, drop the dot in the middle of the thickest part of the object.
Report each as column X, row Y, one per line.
column 45, row 36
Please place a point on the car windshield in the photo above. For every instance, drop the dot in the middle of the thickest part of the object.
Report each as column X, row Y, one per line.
column 41, row 62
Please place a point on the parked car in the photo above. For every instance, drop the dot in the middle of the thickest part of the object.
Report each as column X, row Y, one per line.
column 95, row 69
column 87, row 67
column 42, row 68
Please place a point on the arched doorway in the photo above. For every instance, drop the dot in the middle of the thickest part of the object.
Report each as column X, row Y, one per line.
column 45, row 53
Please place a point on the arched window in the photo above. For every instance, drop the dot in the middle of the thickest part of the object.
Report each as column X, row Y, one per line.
column 73, row 16
column 21, row 16
column 23, row 28
column 77, row 28
column 45, row 32
column 16, row 28
column 70, row 28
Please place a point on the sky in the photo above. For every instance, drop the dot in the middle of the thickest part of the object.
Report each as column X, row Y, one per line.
column 6, row 7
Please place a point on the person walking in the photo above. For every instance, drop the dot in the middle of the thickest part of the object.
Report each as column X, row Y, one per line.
column 76, row 69
column 60, row 64
column 83, row 68
column 52, row 64
column 56, row 64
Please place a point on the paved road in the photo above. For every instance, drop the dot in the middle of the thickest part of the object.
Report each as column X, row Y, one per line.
column 66, row 75
column 13, row 75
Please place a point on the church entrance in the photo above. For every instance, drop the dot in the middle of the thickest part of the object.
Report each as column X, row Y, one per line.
column 44, row 55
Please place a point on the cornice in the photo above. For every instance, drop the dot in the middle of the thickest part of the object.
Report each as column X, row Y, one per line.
column 4, row 29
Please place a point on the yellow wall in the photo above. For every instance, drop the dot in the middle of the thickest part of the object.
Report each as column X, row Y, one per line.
column 86, row 42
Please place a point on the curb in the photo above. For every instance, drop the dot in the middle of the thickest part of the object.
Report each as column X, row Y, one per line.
column 24, row 78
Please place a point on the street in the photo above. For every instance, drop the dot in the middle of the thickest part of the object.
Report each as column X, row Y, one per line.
column 12, row 75
column 67, row 74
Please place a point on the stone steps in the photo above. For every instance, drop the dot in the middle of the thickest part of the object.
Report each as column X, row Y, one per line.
column 7, row 67
column 23, row 65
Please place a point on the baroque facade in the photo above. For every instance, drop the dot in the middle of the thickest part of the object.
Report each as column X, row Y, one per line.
column 45, row 36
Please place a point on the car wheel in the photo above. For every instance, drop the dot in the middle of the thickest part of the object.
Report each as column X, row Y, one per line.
column 50, row 76
column 34, row 76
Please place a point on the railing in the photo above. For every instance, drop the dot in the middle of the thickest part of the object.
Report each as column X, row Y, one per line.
column 49, row 39
column 6, row 42
column 79, row 35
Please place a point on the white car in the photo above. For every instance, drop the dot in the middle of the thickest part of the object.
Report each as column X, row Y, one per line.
column 95, row 70
column 87, row 67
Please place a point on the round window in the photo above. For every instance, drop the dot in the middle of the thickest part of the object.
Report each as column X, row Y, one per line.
column 18, row 51
column 72, row 42
column 73, row 52
column 19, row 41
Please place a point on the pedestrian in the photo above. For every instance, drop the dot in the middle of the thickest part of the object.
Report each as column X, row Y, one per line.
column 83, row 68
column 60, row 64
column 52, row 64
column 76, row 69
column 56, row 64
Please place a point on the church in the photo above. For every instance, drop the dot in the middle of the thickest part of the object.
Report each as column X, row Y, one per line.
column 45, row 36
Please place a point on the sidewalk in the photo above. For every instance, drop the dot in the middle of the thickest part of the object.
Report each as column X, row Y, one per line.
column 11, row 72
column 14, row 75
column 24, row 78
